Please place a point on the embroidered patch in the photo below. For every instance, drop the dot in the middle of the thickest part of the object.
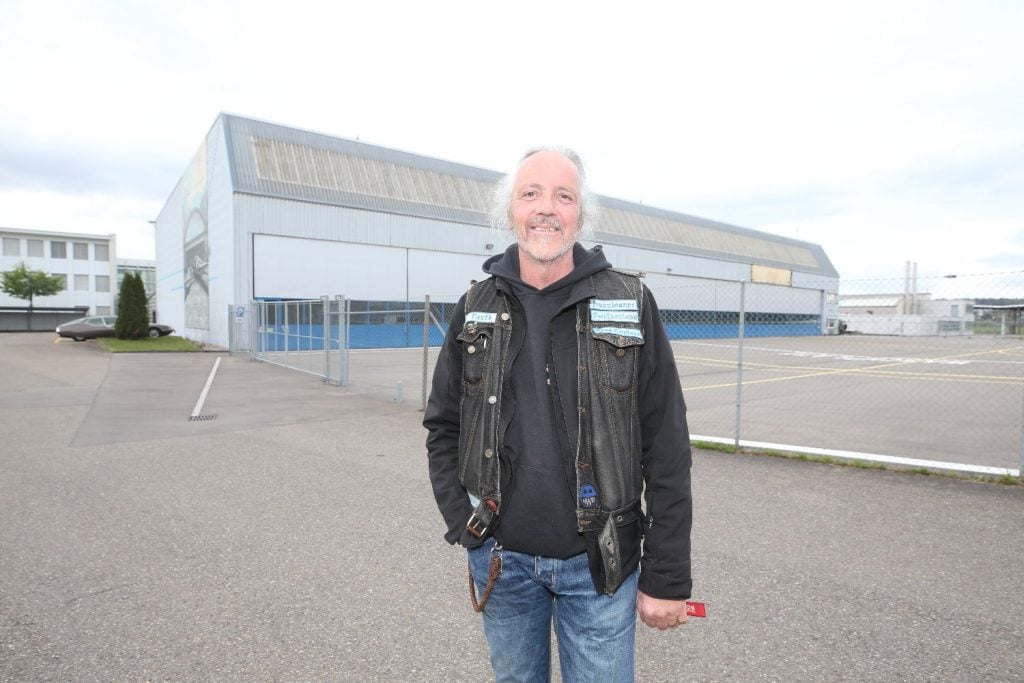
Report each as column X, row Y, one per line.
column 588, row 496
column 613, row 304
column 481, row 317
column 615, row 316
column 621, row 331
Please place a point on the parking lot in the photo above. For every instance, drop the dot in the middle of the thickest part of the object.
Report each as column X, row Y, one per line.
column 291, row 535
column 958, row 400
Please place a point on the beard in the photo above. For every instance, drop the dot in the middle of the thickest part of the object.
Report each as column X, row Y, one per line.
column 545, row 248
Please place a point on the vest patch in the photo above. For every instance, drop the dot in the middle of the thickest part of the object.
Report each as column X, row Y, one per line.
column 621, row 331
column 613, row 304
column 588, row 496
column 615, row 316
column 481, row 317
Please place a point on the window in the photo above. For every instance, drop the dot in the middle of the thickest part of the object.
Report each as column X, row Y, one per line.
column 954, row 310
column 103, row 310
column 58, row 249
column 12, row 246
column 102, row 283
column 81, row 283
column 63, row 279
column 102, row 252
column 81, row 251
column 35, row 248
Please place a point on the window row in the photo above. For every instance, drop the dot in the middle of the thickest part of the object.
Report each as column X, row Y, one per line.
column 81, row 282
column 58, row 249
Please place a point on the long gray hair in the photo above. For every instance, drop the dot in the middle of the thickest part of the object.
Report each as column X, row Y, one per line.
column 501, row 204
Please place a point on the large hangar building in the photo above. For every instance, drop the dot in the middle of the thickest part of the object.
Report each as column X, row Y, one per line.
column 268, row 212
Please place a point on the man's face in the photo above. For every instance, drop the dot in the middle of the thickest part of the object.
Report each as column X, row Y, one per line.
column 545, row 210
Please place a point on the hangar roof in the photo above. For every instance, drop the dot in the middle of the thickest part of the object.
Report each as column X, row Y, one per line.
column 278, row 161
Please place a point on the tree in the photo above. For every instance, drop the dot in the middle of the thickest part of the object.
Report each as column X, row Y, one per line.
column 132, row 311
column 140, row 295
column 27, row 283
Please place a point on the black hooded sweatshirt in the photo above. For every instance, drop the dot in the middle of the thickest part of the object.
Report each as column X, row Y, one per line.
column 539, row 510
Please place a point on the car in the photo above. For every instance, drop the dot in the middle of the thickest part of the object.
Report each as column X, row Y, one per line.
column 102, row 326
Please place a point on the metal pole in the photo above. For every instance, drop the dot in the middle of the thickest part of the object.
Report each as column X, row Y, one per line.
column 254, row 328
column 287, row 333
column 343, row 343
column 426, row 347
column 325, row 319
column 739, row 358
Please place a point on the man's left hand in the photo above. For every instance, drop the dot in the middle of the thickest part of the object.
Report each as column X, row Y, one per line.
column 660, row 613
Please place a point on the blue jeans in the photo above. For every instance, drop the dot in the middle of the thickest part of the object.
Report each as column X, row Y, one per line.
column 596, row 632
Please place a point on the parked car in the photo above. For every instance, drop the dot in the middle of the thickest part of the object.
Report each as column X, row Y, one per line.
column 102, row 326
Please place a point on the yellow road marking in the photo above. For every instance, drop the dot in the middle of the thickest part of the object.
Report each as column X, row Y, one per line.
column 870, row 371
column 873, row 371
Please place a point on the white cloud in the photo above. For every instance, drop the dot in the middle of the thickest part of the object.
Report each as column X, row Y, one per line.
column 888, row 121
column 94, row 214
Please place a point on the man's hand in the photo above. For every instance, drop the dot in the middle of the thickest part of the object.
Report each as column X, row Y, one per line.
column 659, row 613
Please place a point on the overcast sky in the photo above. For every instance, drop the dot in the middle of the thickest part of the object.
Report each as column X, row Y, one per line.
column 884, row 131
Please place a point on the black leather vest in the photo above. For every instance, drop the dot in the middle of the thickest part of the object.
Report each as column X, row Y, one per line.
column 607, row 444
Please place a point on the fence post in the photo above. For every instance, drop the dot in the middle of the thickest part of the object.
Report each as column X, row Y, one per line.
column 343, row 342
column 426, row 347
column 255, row 324
column 287, row 329
column 326, row 320
column 739, row 358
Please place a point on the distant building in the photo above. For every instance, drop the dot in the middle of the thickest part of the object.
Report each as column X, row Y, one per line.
column 270, row 213
column 85, row 262
column 907, row 315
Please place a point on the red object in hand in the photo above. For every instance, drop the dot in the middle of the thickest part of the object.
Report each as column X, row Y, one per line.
column 695, row 609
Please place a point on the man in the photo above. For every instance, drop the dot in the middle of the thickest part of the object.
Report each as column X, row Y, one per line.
column 555, row 404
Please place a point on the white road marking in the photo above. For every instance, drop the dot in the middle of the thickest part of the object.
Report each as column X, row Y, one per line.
column 871, row 457
column 206, row 390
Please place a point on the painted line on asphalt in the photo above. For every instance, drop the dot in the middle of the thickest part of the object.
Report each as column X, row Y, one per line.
column 206, row 390
column 871, row 457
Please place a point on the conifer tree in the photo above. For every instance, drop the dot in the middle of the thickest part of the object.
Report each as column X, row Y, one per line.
column 132, row 312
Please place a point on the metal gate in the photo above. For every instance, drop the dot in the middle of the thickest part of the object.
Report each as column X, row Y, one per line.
column 309, row 336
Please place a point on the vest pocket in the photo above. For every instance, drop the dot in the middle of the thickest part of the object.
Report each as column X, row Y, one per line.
column 615, row 355
column 475, row 342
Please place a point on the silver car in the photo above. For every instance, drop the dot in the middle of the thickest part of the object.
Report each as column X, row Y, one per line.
column 102, row 326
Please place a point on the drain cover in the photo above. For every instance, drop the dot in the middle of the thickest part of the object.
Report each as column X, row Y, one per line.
column 201, row 418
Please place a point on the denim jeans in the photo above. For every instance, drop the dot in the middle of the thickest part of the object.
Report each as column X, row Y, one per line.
column 596, row 632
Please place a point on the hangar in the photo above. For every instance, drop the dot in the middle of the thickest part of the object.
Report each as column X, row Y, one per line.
column 266, row 212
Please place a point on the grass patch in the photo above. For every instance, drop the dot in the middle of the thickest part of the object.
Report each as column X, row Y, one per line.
column 859, row 464
column 168, row 343
column 714, row 446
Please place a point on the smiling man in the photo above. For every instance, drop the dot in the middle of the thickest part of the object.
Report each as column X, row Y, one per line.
column 555, row 408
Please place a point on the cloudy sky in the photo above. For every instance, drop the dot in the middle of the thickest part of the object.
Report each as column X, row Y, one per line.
column 884, row 131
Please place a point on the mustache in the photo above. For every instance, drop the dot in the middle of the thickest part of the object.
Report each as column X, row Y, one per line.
column 545, row 222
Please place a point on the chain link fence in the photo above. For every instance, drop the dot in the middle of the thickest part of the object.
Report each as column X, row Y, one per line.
column 308, row 335
column 919, row 371
column 321, row 336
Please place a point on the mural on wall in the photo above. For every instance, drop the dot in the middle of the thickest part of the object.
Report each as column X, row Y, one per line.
column 196, row 245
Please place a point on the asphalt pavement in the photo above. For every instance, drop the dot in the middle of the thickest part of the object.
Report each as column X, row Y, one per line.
column 291, row 535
